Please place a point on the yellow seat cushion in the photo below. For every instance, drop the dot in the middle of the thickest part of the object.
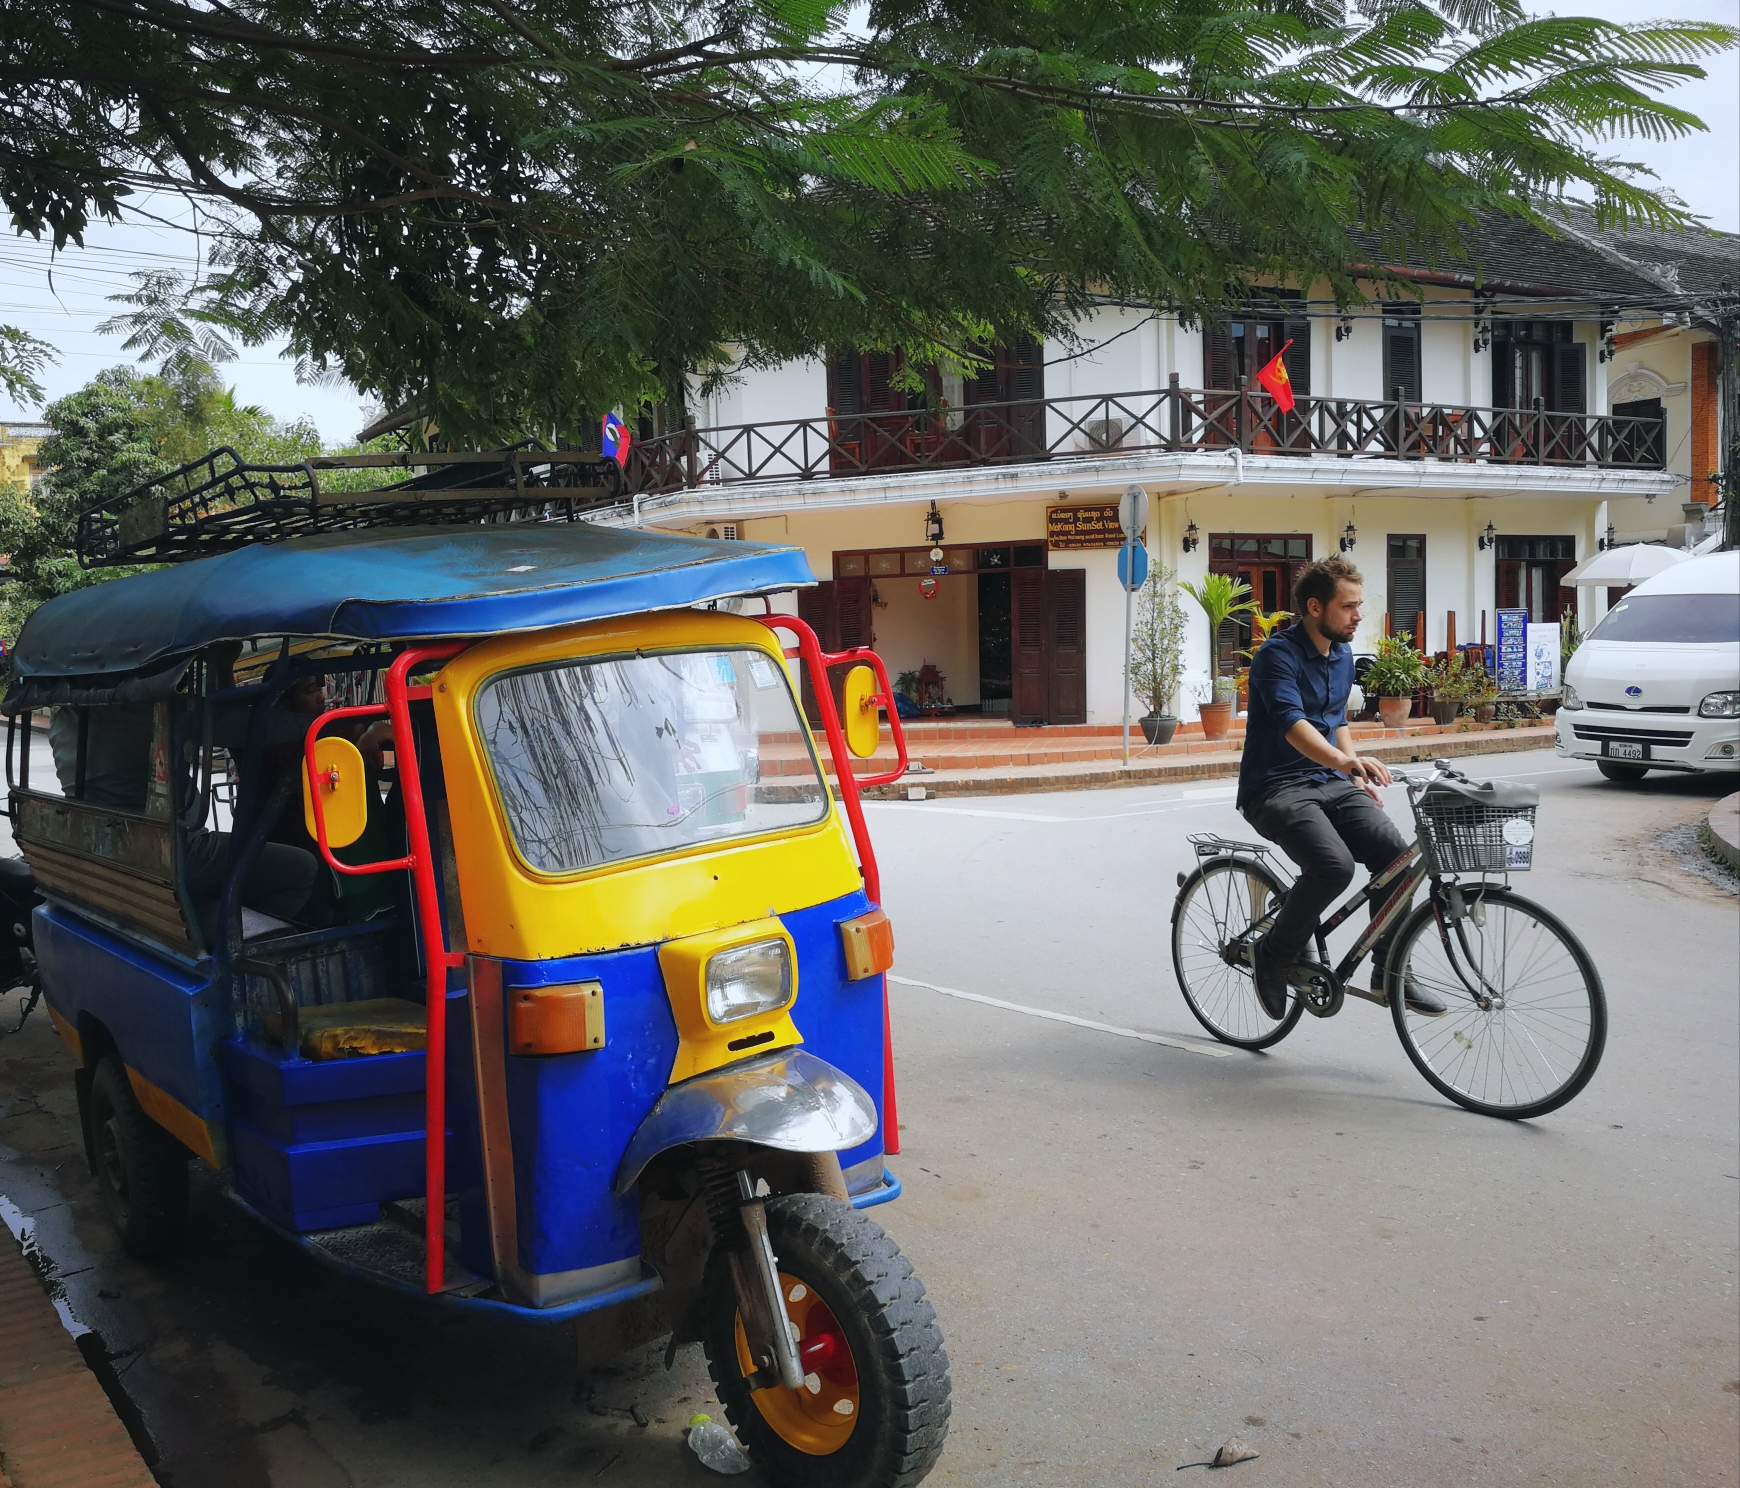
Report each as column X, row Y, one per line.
column 351, row 1030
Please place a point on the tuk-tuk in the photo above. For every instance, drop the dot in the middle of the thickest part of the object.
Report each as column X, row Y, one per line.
column 581, row 1010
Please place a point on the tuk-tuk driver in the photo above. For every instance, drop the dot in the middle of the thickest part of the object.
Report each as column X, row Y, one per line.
column 1305, row 787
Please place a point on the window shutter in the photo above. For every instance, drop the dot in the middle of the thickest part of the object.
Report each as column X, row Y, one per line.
column 854, row 611
column 878, row 396
column 1402, row 363
column 845, row 382
column 1219, row 367
column 1029, row 699
column 1568, row 391
column 1066, row 644
column 1297, row 360
column 1027, row 370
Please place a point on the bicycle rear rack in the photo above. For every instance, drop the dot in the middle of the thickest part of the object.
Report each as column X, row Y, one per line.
column 1212, row 845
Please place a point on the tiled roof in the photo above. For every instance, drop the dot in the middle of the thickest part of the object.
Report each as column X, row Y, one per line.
column 1693, row 260
column 1510, row 253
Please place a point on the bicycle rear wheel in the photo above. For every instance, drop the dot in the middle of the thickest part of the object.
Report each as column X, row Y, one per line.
column 1527, row 1016
column 1219, row 902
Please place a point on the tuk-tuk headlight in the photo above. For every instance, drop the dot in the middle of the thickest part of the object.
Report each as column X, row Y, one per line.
column 748, row 979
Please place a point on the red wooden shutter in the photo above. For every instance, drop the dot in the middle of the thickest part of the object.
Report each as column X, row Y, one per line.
column 853, row 610
column 1029, row 698
column 819, row 609
column 1219, row 365
column 1066, row 644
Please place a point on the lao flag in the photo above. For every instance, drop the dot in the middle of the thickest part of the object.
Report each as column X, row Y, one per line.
column 616, row 440
column 1274, row 380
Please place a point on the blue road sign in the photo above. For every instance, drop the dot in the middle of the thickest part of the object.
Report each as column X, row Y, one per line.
column 1140, row 577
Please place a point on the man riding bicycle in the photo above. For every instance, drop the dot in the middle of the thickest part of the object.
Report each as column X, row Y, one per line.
column 1304, row 787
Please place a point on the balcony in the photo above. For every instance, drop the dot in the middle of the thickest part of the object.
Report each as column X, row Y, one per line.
column 1171, row 420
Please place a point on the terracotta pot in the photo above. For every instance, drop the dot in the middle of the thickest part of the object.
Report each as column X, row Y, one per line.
column 1216, row 719
column 1158, row 728
column 1485, row 712
column 1394, row 711
column 1446, row 710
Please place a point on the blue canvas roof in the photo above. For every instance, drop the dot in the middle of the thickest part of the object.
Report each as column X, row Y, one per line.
column 392, row 584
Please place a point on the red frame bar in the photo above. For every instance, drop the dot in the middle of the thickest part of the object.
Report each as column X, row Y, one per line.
column 817, row 661
column 437, row 959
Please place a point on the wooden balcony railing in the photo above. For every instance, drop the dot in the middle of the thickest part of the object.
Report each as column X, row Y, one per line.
column 1168, row 420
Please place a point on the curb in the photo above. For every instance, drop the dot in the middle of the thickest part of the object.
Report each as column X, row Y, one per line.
column 1398, row 751
column 1721, row 833
column 57, row 1426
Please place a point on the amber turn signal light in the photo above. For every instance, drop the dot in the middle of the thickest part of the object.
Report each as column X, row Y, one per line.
column 557, row 1020
column 869, row 944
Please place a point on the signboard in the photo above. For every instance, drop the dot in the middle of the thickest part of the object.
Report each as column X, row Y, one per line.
column 1134, row 555
column 1133, row 512
column 1068, row 527
column 1543, row 648
column 1513, row 654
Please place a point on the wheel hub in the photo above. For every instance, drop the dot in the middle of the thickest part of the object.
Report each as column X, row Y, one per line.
column 819, row 1418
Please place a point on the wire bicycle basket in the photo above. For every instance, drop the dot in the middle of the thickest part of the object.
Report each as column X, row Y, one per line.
column 1460, row 835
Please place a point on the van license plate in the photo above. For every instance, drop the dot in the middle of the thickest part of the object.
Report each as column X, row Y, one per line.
column 1620, row 749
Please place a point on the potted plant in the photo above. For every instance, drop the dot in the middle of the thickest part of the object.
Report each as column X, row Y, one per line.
column 1394, row 676
column 1157, row 653
column 1447, row 685
column 1221, row 597
column 1262, row 627
column 1482, row 694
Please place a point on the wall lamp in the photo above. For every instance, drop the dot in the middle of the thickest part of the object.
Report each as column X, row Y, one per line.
column 1610, row 540
column 1488, row 538
column 1191, row 539
column 1349, row 536
column 933, row 526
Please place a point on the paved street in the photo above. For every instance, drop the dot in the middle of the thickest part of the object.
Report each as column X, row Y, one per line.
column 1136, row 1249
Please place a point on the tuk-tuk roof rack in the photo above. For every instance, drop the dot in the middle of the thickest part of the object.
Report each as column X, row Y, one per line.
column 220, row 502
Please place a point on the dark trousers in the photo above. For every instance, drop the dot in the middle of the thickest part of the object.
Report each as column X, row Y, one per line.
column 1325, row 827
column 278, row 884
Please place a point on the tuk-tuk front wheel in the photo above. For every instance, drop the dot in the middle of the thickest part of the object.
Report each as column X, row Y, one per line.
column 141, row 1169
column 874, row 1409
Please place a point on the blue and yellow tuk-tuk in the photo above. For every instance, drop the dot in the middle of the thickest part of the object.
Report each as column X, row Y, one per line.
column 533, row 970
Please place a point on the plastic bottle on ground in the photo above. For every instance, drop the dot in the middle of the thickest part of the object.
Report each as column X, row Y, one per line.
column 715, row 1446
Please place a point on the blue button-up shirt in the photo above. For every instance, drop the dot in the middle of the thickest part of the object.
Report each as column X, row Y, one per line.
column 1290, row 680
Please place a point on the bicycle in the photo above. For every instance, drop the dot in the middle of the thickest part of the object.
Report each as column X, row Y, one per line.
column 1527, row 1019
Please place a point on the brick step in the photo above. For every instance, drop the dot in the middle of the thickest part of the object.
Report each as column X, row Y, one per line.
column 1041, row 748
column 1151, row 768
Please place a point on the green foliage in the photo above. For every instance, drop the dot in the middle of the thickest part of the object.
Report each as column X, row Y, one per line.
column 512, row 216
column 22, row 356
column 1454, row 678
column 1570, row 638
column 1221, row 597
column 1157, row 640
column 103, row 446
column 115, row 433
column 1398, row 670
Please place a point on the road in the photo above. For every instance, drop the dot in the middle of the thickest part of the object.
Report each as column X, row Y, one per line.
column 1136, row 1249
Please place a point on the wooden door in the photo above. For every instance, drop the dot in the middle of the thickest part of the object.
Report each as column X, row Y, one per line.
column 1066, row 645
column 1030, row 698
column 819, row 608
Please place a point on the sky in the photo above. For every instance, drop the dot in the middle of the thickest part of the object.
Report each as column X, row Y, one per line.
column 63, row 299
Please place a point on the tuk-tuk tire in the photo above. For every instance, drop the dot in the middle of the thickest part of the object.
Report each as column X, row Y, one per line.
column 141, row 1169
column 890, row 1327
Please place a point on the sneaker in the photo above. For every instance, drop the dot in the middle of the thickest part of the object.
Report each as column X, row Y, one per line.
column 1419, row 1000
column 1271, row 982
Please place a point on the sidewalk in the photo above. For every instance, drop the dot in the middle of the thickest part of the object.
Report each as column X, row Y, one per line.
column 57, row 1428
column 994, row 768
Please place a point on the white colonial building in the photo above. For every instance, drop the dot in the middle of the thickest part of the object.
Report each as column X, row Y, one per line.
column 1470, row 446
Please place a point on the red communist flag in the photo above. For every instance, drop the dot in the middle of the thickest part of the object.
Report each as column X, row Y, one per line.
column 1274, row 380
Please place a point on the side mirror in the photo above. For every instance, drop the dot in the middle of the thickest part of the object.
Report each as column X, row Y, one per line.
column 860, row 715
column 344, row 791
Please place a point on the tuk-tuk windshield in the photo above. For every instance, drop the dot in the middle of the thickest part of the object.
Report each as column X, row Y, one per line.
column 626, row 756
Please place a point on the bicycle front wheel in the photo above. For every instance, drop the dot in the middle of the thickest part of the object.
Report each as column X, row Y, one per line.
column 1527, row 1017
column 1220, row 902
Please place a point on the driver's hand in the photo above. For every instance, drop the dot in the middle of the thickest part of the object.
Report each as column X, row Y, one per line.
column 1369, row 772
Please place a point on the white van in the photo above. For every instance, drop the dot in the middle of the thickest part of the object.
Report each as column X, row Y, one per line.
column 1657, row 684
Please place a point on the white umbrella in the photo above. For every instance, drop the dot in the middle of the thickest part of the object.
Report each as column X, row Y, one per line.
column 1618, row 567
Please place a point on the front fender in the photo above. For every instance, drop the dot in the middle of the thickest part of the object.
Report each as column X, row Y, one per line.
column 789, row 1100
